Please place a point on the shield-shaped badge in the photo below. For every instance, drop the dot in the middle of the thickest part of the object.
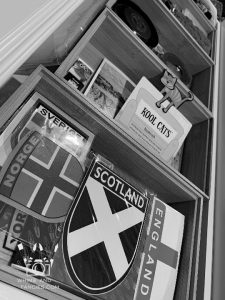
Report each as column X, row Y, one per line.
column 40, row 177
column 102, row 231
column 42, row 161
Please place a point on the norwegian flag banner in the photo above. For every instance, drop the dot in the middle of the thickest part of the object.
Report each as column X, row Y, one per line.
column 42, row 160
column 40, row 176
column 102, row 231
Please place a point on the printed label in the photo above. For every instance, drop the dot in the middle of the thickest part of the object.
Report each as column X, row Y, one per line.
column 153, row 120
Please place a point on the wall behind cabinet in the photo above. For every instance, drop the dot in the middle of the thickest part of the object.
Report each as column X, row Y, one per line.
column 14, row 13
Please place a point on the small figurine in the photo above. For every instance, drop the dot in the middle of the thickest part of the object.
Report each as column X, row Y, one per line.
column 171, row 93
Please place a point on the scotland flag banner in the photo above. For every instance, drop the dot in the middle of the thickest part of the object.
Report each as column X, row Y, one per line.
column 103, row 230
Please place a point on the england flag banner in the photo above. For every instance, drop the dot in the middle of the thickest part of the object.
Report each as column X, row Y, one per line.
column 159, row 263
column 103, row 230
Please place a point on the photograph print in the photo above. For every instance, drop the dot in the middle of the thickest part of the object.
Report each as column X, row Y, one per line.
column 109, row 89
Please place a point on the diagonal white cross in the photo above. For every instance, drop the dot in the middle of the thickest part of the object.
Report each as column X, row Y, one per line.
column 106, row 229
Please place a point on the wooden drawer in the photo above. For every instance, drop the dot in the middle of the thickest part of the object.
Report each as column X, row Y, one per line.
column 169, row 187
column 109, row 37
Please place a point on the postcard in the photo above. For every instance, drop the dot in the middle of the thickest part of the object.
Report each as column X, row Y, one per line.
column 109, row 89
column 79, row 74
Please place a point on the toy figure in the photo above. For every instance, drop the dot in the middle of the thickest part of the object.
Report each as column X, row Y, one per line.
column 171, row 93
